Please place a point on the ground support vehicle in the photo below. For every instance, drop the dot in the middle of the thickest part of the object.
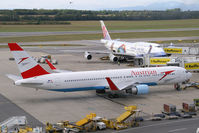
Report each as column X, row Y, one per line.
column 121, row 122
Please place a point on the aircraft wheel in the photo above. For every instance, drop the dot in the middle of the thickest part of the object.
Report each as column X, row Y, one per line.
column 110, row 96
column 113, row 95
column 100, row 91
column 116, row 96
column 177, row 87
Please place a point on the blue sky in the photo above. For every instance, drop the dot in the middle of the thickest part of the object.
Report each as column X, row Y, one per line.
column 82, row 4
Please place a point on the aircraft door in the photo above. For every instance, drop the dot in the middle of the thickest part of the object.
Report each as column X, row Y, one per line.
column 57, row 82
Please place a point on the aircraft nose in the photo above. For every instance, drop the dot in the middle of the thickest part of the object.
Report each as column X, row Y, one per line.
column 189, row 75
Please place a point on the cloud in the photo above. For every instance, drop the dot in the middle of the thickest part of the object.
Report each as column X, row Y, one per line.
column 189, row 1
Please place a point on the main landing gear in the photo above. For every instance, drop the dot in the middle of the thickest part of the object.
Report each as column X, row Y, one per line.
column 110, row 95
column 178, row 87
column 113, row 95
column 100, row 91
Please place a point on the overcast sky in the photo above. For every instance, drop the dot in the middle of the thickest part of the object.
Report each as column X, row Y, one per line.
column 82, row 4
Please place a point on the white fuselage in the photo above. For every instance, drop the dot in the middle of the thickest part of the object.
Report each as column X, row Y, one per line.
column 93, row 80
column 135, row 49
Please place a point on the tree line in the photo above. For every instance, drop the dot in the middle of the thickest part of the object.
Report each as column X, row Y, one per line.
column 40, row 15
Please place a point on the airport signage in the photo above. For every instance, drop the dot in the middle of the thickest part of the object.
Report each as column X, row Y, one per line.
column 191, row 66
column 173, row 50
column 159, row 61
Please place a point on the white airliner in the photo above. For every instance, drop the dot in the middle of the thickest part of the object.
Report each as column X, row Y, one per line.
column 135, row 81
column 127, row 50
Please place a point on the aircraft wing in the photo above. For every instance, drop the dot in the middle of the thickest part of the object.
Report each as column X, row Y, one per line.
column 129, row 87
column 53, row 68
column 91, row 51
column 114, row 53
column 121, row 86
column 99, row 52
column 124, row 54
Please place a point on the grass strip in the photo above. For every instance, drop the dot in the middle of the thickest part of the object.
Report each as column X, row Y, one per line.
column 99, row 36
column 111, row 25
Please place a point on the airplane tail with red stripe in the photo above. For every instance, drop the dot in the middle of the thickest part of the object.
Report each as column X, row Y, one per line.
column 27, row 65
column 105, row 31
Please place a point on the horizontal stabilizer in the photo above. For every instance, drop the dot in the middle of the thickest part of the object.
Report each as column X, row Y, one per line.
column 13, row 77
column 32, row 83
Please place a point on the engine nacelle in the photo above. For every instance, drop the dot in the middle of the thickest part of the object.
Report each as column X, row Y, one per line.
column 87, row 55
column 113, row 58
column 139, row 90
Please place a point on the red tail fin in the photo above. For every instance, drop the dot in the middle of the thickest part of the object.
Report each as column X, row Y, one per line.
column 26, row 64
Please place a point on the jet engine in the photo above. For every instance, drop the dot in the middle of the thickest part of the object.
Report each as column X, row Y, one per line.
column 87, row 55
column 113, row 58
column 139, row 90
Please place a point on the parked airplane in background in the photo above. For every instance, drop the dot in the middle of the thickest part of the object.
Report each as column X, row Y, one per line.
column 127, row 50
column 134, row 81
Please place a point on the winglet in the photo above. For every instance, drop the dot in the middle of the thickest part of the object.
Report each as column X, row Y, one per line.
column 50, row 65
column 13, row 77
column 112, row 86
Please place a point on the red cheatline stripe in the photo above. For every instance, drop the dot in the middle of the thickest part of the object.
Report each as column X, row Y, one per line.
column 14, row 47
column 166, row 73
column 35, row 71
column 112, row 86
column 51, row 65
column 22, row 59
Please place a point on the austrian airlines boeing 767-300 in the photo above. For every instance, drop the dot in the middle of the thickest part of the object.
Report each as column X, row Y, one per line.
column 135, row 81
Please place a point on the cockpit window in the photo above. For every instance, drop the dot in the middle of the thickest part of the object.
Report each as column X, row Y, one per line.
column 186, row 71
